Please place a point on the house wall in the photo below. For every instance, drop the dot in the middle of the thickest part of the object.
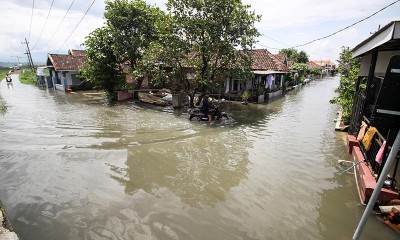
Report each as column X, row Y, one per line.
column 382, row 63
column 72, row 80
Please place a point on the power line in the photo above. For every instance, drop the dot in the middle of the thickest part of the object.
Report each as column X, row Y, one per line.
column 40, row 35
column 275, row 40
column 267, row 46
column 70, row 6
column 76, row 26
column 30, row 25
column 330, row 35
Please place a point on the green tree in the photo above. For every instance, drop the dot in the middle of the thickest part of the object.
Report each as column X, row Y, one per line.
column 133, row 26
column 103, row 69
column 348, row 69
column 301, row 68
column 294, row 55
column 130, row 28
column 302, row 57
column 290, row 53
column 207, row 33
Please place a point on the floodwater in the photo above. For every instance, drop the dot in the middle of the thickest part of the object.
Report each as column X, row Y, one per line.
column 72, row 167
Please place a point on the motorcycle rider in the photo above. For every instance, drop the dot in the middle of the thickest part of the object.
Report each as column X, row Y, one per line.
column 8, row 78
column 206, row 105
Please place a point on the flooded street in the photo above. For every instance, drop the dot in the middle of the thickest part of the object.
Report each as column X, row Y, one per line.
column 74, row 168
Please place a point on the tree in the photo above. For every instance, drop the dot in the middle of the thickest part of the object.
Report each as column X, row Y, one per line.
column 295, row 56
column 130, row 28
column 208, row 34
column 102, row 69
column 301, row 68
column 348, row 69
column 133, row 25
column 302, row 57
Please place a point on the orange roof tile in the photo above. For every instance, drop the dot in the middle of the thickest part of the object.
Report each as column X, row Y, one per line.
column 264, row 60
column 66, row 61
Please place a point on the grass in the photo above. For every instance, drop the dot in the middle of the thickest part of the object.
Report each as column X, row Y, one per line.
column 27, row 77
column 3, row 72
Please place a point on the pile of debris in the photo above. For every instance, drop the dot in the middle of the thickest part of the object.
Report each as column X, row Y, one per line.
column 392, row 217
column 153, row 98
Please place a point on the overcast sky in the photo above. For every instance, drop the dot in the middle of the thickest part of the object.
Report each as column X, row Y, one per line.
column 284, row 24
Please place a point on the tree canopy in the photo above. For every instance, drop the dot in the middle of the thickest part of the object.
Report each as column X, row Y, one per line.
column 192, row 46
column 102, row 70
column 130, row 28
column 212, row 31
column 294, row 55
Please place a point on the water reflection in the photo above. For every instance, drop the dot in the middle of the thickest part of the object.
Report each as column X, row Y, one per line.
column 200, row 169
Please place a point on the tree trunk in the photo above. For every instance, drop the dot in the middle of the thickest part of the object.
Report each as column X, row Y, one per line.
column 138, row 86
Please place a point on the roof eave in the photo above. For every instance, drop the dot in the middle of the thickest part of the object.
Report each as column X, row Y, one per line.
column 387, row 33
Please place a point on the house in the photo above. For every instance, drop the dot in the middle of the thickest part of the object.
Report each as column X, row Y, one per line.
column 327, row 66
column 63, row 69
column 269, row 75
column 312, row 64
column 376, row 111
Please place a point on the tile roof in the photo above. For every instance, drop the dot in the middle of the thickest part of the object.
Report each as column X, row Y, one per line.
column 312, row 64
column 281, row 57
column 66, row 61
column 264, row 60
column 324, row 63
column 77, row 52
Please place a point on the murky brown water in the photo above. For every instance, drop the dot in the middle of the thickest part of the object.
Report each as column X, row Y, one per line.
column 71, row 168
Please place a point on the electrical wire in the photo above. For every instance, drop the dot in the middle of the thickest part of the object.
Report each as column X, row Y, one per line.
column 40, row 35
column 341, row 30
column 275, row 40
column 30, row 25
column 301, row 45
column 76, row 26
column 51, row 38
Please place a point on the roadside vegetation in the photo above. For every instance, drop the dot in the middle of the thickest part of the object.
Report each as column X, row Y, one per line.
column 348, row 69
column 3, row 72
column 27, row 76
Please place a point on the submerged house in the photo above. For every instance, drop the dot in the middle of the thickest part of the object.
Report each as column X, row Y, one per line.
column 269, row 75
column 64, row 69
column 375, row 120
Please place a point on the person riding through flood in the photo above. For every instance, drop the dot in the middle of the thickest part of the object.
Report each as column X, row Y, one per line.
column 8, row 78
column 206, row 105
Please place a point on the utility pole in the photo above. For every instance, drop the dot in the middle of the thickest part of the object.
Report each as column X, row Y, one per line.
column 28, row 53
column 18, row 57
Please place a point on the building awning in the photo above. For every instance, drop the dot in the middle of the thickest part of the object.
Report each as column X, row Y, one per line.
column 381, row 38
column 265, row 72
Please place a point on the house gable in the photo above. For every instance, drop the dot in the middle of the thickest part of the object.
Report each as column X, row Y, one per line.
column 66, row 62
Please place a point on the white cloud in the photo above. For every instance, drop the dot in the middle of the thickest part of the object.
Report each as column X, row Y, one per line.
column 290, row 22
column 16, row 25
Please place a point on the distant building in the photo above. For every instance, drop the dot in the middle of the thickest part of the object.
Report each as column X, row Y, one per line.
column 327, row 66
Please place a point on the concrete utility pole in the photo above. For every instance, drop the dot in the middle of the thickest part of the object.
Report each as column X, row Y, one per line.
column 28, row 53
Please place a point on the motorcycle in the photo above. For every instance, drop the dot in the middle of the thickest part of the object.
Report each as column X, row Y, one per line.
column 216, row 114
